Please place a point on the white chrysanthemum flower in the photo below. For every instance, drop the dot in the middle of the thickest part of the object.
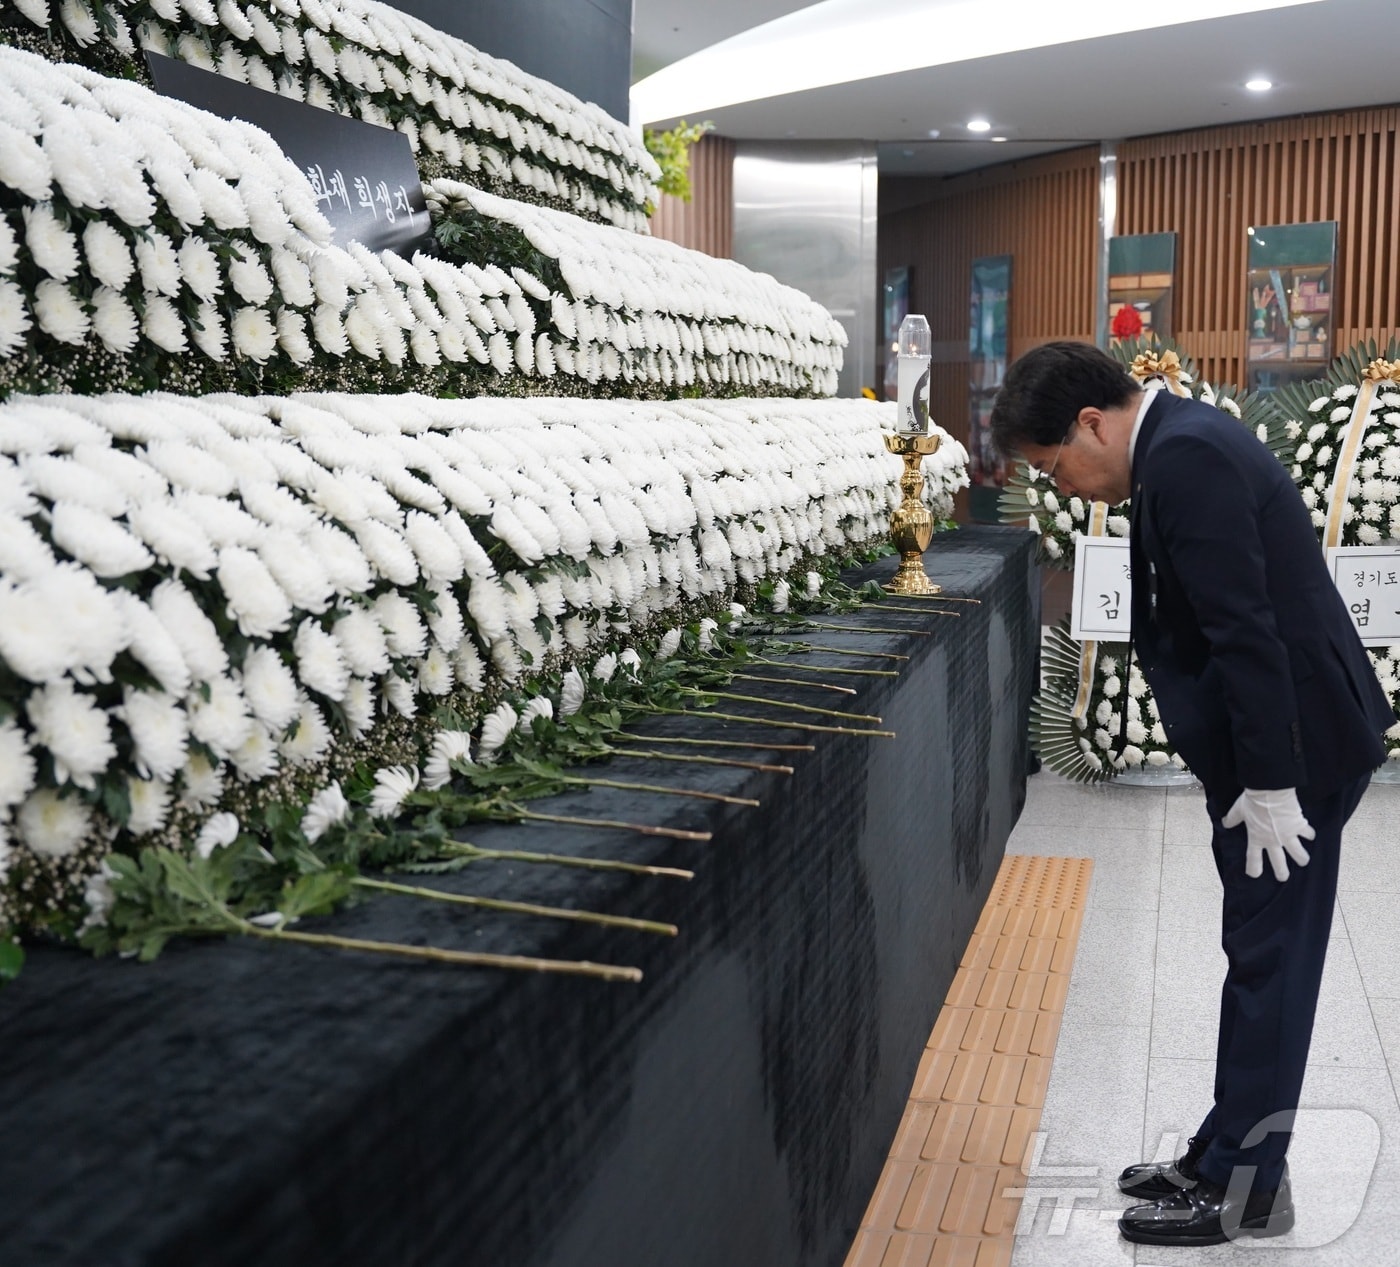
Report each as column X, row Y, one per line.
column 53, row 825
column 191, row 629
column 97, row 541
column 249, row 278
column 362, row 642
column 207, row 331
column 392, row 786
column 1052, row 503
column 605, row 667
column 438, row 557
column 707, row 634
column 222, row 722
column 28, row 621
column 471, row 672
column 150, row 805
column 291, row 336
column 17, row 769
column 159, row 731
column 218, row 832
column 1112, row 686
column 199, row 267
column 572, row 694
column 448, row 746
column 325, row 810
column 59, row 313
column 814, row 584
column 162, row 324
column 539, row 706
column 74, row 730
column 1063, row 521
column 496, row 729
column 359, row 706
column 435, row 675
column 159, row 263
column 311, row 738
column 399, row 695
column 108, row 256
column 670, row 643
column 1345, row 392
column 320, row 664
column 255, row 600
column 403, row 628
column 202, row 783
column 1052, row 547
column 269, row 688
column 51, row 246
column 254, row 335
column 14, row 318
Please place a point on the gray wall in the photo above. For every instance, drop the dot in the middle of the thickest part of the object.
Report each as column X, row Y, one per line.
column 805, row 211
column 584, row 46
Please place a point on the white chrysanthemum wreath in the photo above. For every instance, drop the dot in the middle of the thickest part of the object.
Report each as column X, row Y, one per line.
column 466, row 114
column 1319, row 425
column 213, row 605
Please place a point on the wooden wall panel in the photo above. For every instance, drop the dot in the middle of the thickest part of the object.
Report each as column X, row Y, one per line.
column 1209, row 186
column 1042, row 212
column 706, row 222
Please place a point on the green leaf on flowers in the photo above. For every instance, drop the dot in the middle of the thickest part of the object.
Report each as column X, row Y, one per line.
column 316, row 894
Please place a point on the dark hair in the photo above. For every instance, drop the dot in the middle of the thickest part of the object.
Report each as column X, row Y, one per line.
column 1044, row 391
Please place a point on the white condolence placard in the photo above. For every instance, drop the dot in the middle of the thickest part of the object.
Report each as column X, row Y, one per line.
column 1368, row 579
column 1102, row 608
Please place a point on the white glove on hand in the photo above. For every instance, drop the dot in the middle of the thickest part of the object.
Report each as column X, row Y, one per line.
column 1276, row 827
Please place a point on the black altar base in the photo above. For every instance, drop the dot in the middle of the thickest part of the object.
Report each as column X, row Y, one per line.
column 244, row 1103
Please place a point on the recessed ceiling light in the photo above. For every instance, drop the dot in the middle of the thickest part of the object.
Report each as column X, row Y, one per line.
column 934, row 134
column 998, row 138
column 1259, row 85
column 978, row 125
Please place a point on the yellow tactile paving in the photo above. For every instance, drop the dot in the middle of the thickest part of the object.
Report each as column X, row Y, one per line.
column 975, row 1105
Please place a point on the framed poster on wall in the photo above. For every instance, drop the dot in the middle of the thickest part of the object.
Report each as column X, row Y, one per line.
column 898, row 282
column 1289, row 302
column 988, row 344
column 1141, row 279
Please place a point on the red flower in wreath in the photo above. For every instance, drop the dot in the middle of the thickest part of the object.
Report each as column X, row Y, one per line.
column 1127, row 324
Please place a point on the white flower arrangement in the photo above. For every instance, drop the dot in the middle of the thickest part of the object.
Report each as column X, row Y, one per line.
column 631, row 315
column 463, row 111
column 646, row 309
column 1370, row 508
column 252, row 581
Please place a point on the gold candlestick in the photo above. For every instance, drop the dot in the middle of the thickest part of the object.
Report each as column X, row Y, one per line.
column 911, row 525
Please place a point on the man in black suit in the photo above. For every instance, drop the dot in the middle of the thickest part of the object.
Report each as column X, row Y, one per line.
column 1266, row 691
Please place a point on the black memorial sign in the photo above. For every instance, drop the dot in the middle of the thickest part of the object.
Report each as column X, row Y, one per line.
column 364, row 177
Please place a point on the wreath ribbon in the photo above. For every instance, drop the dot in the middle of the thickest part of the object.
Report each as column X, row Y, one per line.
column 1378, row 372
column 1164, row 365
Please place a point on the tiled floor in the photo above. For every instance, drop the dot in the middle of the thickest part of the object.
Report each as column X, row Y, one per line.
column 1133, row 1067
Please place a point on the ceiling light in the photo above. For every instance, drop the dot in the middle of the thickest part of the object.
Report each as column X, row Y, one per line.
column 1259, row 85
column 978, row 125
column 839, row 41
column 998, row 138
column 933, row 134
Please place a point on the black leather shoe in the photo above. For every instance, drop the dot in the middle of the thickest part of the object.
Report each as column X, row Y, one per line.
column 1153, row 1180
column 1207, row 1214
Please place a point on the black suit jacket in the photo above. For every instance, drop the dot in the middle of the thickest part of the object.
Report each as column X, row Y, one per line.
column 1254, row 662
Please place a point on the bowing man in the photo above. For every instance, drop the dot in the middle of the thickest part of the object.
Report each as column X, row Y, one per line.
column 1265, row 690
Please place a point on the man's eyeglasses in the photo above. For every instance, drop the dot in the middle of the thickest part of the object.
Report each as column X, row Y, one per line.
column 1050, row 474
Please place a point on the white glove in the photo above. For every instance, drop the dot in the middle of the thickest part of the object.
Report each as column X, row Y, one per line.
column 1276, row 827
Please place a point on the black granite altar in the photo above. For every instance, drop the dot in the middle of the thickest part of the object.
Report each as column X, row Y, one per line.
column 243, row 1103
